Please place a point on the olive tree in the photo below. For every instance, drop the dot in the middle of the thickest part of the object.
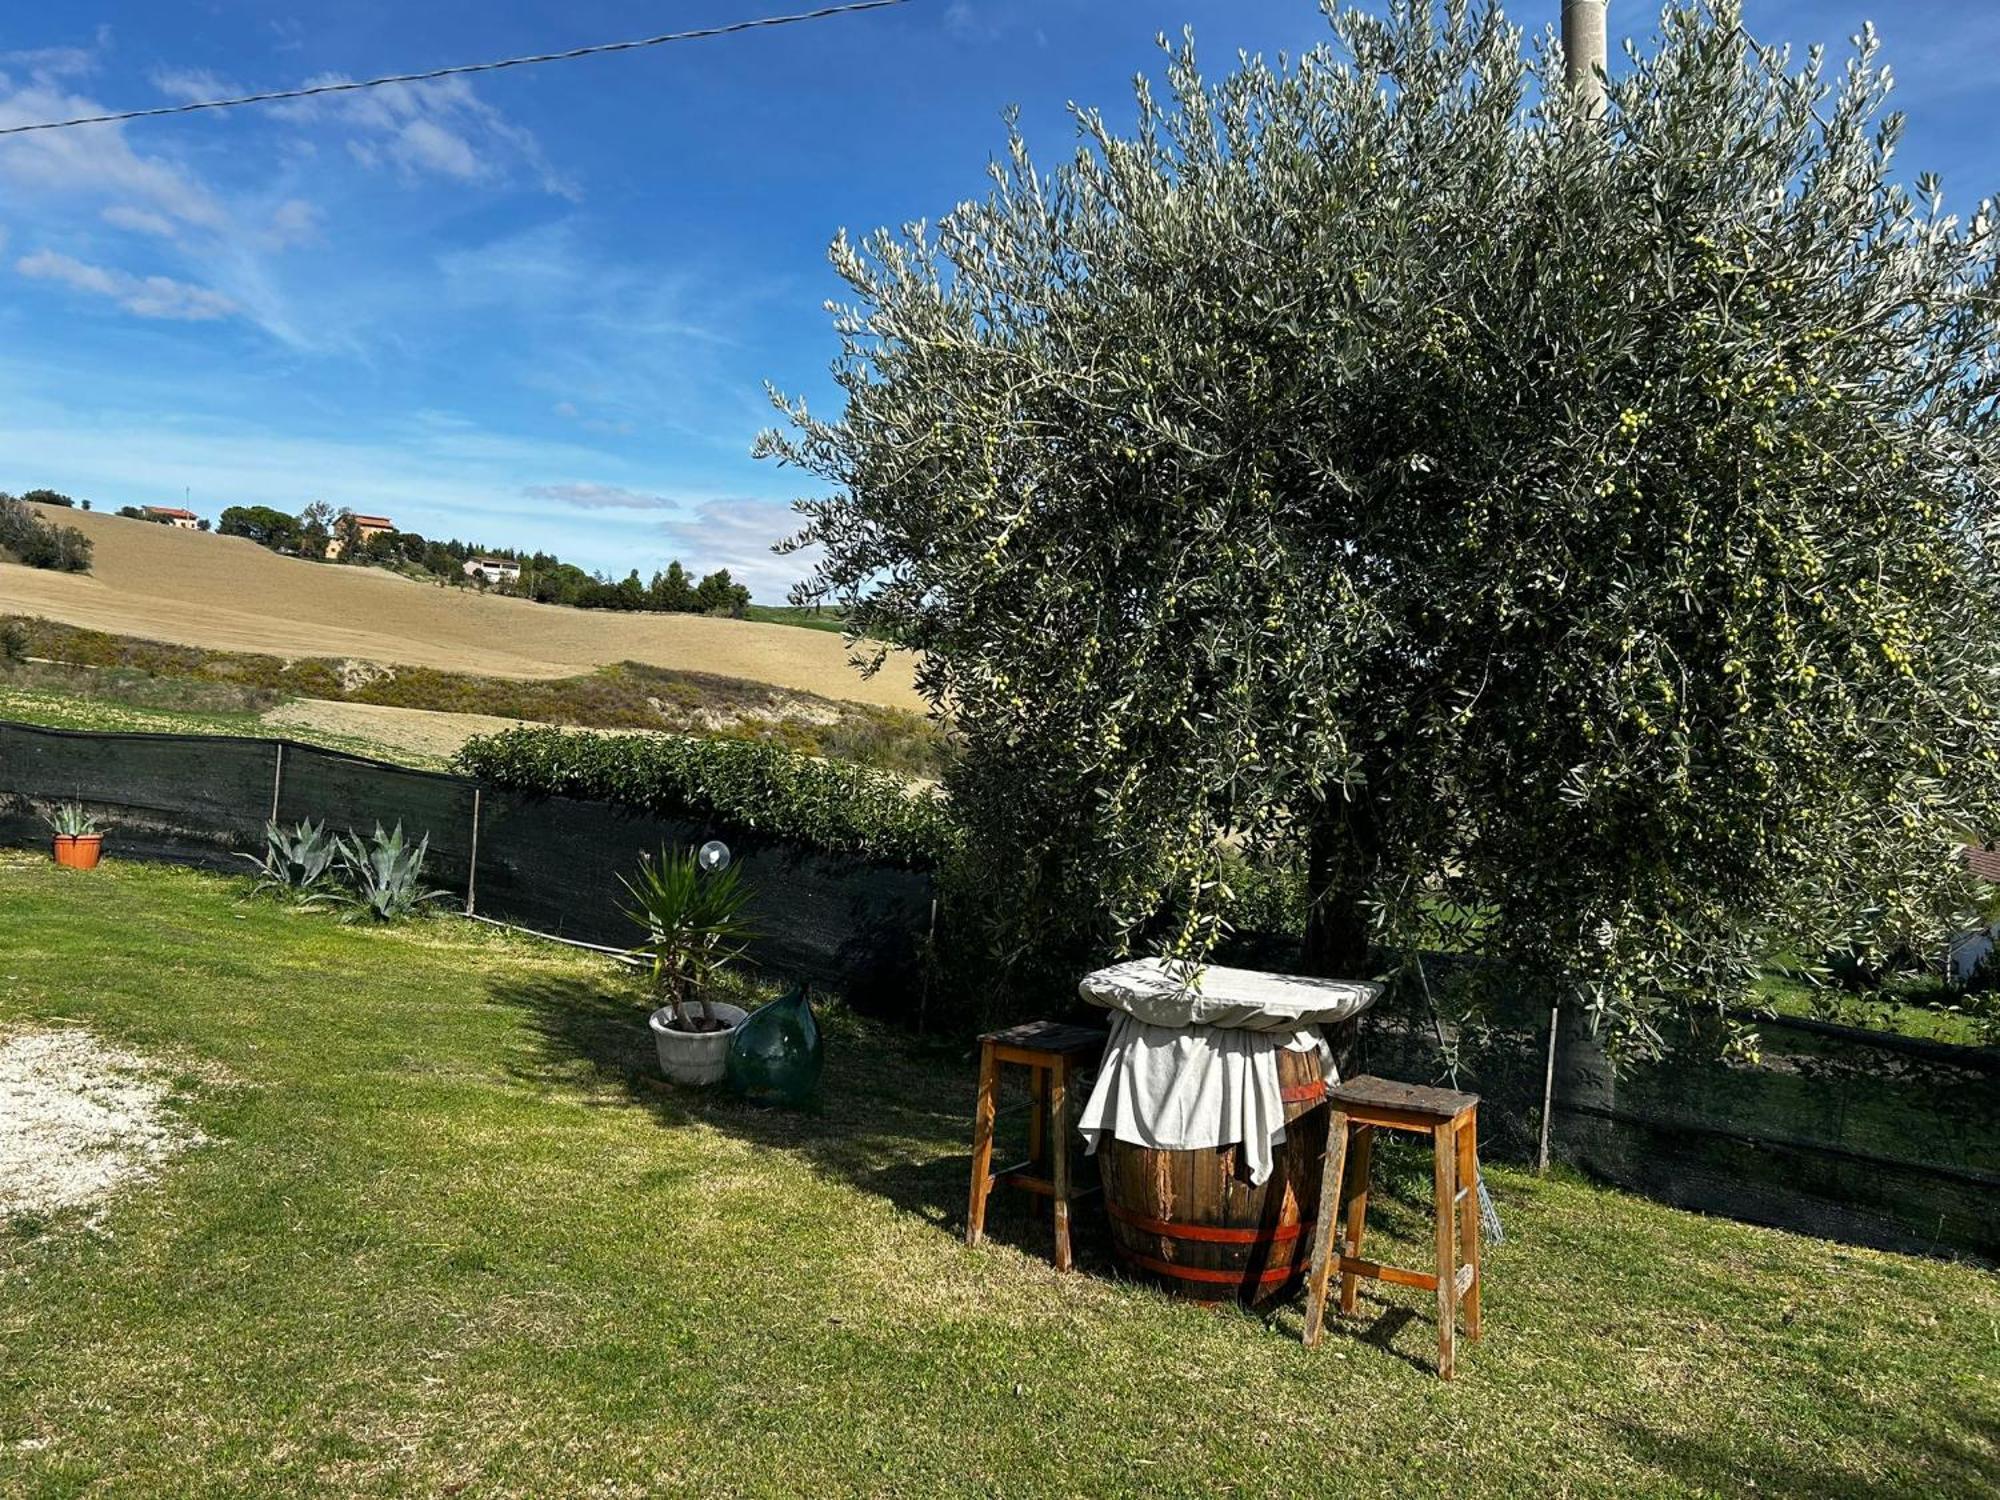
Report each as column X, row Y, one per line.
column 1581, row 522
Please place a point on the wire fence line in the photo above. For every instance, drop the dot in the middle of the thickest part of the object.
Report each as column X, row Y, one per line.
column 1832, row 1130
column 348, row 86
column 1857, row 1135
column 548, row 865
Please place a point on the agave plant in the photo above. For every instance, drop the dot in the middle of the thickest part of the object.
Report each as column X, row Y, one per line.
column 694, row 924
column 300, row 862
column 386, row 876
column 70, row 820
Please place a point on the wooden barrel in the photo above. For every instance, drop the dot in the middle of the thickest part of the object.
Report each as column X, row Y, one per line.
column 1192, row 1221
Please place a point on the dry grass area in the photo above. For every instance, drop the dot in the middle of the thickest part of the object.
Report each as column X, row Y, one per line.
column 408, row 733
column 226, row 593
column 78, row 1121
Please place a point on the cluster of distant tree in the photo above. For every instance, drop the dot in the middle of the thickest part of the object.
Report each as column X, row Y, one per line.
column 303, row 535
column 49, row 497
column 674, row 591
column 29, row 539
column 545, row 578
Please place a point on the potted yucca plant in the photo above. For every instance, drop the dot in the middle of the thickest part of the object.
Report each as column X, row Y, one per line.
column 79, row 839
column 694, row 924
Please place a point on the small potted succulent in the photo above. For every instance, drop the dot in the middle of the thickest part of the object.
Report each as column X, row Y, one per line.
column 79, row 841
column 691, row 907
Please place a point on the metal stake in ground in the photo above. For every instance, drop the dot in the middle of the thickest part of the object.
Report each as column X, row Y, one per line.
column 472, row 864
column 1548, row 1093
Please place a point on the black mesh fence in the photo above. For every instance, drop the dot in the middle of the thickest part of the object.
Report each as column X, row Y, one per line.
column 551, row 864
column 193, row 800
column 1859, row 1135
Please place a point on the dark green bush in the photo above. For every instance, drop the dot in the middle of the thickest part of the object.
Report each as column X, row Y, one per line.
column 826, row 805
column 37, row 544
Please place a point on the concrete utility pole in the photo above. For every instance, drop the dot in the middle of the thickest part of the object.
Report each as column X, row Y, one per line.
column 1584, row 54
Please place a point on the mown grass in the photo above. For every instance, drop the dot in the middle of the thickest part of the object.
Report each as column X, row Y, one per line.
column 446, row 1239
column 1921, row 1006
column 625, row 695
column 791, row 614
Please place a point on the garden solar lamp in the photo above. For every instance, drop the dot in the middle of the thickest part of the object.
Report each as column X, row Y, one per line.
column 713, row 857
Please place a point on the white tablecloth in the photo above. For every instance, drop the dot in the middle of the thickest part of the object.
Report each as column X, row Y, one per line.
column 1185, row 1088
column 1246, row 999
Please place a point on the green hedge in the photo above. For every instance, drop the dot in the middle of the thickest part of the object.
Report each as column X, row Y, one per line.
column 828, row 805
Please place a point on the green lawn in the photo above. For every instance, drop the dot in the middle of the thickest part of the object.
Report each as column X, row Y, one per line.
column 444, row 1238
column 792, row 614
column 1921, row 1007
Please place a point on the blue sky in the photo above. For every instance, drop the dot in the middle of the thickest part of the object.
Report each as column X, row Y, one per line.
column 537, row 308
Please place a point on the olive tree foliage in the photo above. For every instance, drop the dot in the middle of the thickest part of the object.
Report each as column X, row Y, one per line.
column 1372, row 462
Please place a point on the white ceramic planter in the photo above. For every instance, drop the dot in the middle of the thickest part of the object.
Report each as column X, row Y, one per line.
column 695, row 1057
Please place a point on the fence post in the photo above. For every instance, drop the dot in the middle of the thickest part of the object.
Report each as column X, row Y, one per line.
column 277, row 780
column 1548, row 1094
column 472, row 866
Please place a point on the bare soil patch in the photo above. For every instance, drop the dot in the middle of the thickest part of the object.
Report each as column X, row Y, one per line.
column 416, row 731
column 227, row 593
column 78, row 1121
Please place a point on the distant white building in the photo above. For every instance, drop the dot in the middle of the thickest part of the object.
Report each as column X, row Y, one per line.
column 493, row 569
column 171, row 515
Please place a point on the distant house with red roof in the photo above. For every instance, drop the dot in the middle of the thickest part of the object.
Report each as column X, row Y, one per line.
column 1983, row 860
column 171, row 515
column 366, row 527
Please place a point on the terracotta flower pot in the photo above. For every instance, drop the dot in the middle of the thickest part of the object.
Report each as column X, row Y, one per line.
column 79, row 851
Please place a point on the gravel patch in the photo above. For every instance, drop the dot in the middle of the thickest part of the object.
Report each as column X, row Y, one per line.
column 78, row 1121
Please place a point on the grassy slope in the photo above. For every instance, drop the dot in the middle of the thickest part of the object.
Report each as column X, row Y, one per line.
column 791, row 614
column 59, row 709
column 628, row 695
column 443, row 1239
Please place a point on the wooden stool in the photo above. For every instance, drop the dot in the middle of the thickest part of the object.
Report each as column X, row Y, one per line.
column 1053, row 1053
column 1365, row 1105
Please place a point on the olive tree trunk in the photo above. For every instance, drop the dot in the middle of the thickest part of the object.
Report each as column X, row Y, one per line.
column 1342, row 854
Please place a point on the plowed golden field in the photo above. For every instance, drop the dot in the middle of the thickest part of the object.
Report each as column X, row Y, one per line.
column 198, row 589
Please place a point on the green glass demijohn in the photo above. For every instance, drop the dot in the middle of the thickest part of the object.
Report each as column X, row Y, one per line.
column 776, row 1056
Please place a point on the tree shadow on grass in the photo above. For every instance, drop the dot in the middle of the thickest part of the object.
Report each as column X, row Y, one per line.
column 1960, row 1464
column 893, row 1116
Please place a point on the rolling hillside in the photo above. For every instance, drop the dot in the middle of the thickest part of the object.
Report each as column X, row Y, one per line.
column 199, row 589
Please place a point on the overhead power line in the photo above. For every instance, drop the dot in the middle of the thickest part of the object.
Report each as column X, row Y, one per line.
column 755, row 23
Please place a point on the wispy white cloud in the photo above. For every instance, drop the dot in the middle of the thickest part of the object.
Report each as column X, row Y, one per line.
column 738, row 535
column 192, row 85
column 584, row 496
column 145, row 296
column 436, row 129
column 139, row 220
column 94, row 162
column 628, row 347
column 609, row 426
column 293, row 222
column 48, row 63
